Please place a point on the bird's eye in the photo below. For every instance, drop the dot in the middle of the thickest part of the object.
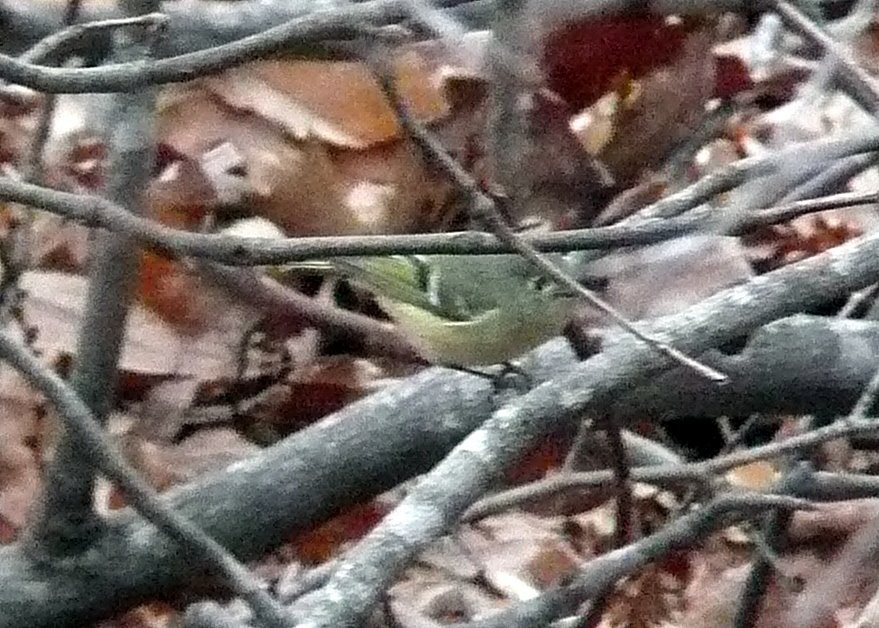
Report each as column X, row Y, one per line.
column 539, row 283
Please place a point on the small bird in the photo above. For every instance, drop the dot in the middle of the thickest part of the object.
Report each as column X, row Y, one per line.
column 467, row 311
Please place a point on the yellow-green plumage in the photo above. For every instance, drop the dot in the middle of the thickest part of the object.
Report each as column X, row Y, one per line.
column 462, row 310
column 497, row 335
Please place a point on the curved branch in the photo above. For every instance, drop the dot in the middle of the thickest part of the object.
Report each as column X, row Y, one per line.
column 78, row 419
column 376, row 444
column 94, row 211
column 433, row 506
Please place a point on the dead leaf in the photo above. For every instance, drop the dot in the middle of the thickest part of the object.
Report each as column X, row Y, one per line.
column 757, row 476
column 328, row 384
column 54, row 306
column 666, row 278
column 305, row 186
column 520, row 554
column 328, row 539
column 634, row 125
column 338, row 103
column 165, row 465
column 21, row 441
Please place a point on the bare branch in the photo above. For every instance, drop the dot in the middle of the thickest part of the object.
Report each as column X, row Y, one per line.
column 773, row 535
column 439, row 499
column 669, row 476
column 855, row 80
column 251, row 506
column 196, row 25
column 316, row 27
column 601, row 573
column 285, row 306
column 57, row 43
column 778, row 371
column 94, row 448
column 67, row 522
column 95, row 211
column 377, row 443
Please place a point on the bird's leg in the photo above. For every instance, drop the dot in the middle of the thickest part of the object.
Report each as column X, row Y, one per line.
column 510, row 372
column 515, row 372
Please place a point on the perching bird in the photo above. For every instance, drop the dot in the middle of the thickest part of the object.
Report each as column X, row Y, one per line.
column 472, row 310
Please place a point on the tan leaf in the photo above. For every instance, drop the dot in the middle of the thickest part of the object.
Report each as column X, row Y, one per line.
column 521, row 554
column 339, row 103
column 756, row 475
column 54, row 306
column 306, row 187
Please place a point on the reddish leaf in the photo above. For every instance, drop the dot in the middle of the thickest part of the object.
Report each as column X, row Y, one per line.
column 322, row 543
column 732, row 76
column 315, row 391
column 587, row 59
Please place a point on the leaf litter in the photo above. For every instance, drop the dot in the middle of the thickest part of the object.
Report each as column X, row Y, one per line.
column 312, row 148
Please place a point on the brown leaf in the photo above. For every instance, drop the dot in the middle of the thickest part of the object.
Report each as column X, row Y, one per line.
column 54, row 306
column 647, row 599
column 164, row 465
column 520, row 554
column 327, row 385
column 307, row 187
column 339, row 103
column 585, row 59
column 634, row 125
column 24, row 439
column 756, row 476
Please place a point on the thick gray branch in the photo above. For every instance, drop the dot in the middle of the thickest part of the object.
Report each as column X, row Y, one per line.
column 374, row 445
column 798, row 365
column 67, row 521
column 435, row 505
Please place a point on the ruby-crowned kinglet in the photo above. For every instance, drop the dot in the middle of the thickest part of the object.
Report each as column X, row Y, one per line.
column 473, row 310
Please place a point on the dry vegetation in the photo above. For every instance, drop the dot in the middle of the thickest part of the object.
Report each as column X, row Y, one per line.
column 192, row 435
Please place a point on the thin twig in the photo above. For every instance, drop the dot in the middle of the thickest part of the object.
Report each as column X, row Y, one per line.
column 67, row 521
column 702, row 472
column 832, row 179
column 856, row 80
column 623, row 531
column 866, row 402
column 857, row 302
column 774, row 535
column 21, row 236
column 485, row 211
column 285, row 306
column 95, row 448
column 513, row 80
column 94, row 211
column 600, row 573
column 293, row 484
column 56, row 43
column 317, row 27
column 310, row 580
